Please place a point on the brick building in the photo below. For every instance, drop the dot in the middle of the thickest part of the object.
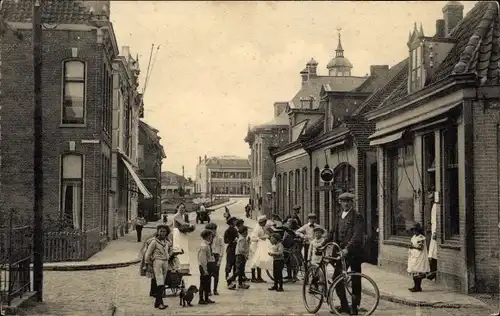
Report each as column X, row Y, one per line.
column 128, row 107
column 437, row 132
column 328, row 128
column 222, row 176
column 150, row 157
column 79, row 47
column 261, row 138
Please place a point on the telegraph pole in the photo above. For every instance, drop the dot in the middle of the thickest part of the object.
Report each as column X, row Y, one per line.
column 37, row 154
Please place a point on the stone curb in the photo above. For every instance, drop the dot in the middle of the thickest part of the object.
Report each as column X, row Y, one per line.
column 394, row 299
column 90, row 266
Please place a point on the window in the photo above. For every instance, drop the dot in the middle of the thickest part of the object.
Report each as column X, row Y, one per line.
column 105, row 186
column 71, row 190
column 451, row 183
column 401, row 189
column 343, row 181
column 416, row 69
column 73, row 92
column 107, row 101
column 279, row 189
column 291, row 191
column 304, row 189
column 316, row 192
column 298, row 193
column 285, row 192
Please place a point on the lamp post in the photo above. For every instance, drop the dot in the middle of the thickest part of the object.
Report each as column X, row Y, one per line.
column 37, row 154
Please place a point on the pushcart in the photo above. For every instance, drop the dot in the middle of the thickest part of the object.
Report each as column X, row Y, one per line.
column 174, row 281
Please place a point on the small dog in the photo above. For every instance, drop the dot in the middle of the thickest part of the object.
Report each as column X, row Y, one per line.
column 187, row 296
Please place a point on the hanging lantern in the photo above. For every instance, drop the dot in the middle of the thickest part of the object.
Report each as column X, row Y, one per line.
column 326, row 174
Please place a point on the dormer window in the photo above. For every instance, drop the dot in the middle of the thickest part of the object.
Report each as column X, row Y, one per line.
column 415, row 69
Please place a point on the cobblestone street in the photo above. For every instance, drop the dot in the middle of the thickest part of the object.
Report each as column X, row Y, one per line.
column 97, row 292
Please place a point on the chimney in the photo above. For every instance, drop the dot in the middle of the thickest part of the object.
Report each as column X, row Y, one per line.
column 205, row 158
column 305, row 75
column 312, row 67
column 440, row 29
column 453, row 13
column 199, row 159
column 279, row 107
column 380, row 71
column 125, row 51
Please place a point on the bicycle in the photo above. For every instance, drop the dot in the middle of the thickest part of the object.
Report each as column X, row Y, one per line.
column 317, row 284
column 294, row 260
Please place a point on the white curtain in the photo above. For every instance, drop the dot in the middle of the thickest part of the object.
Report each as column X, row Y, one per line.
column 74, row 189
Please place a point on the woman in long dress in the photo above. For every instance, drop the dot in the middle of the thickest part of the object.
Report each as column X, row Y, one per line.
column 259, row 249
column 180, row 239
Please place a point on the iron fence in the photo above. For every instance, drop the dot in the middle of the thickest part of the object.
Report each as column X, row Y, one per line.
column 15, row 257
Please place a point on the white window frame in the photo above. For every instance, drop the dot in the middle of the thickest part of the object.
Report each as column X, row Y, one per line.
column 64, row 80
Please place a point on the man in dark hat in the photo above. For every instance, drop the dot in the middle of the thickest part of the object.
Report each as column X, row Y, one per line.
column 348, row 233
column 295, row 215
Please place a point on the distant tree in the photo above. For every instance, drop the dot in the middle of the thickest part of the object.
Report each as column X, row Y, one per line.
column 190, row 180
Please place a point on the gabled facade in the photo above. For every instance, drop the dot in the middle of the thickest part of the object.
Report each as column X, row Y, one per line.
column 436, row 135
column 127, row 109
column 150, row 158
column 261, row 138
column 79, row 47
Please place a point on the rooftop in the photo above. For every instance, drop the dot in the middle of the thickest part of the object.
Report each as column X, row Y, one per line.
column 477, row 50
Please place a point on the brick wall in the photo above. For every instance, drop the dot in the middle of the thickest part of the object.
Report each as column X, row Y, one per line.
column 293, row 165
column 17, row 120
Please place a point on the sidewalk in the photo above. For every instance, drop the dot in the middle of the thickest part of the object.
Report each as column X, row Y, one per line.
column 393, row 287
column 118, row 253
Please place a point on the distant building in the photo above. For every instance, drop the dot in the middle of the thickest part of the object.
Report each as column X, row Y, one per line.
column 128, row 107
column 261, row 138
column 224, row 175
column 151, row 155
column 171, row 183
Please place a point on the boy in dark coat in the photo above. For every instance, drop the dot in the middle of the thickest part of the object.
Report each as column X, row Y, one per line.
column 230, row 237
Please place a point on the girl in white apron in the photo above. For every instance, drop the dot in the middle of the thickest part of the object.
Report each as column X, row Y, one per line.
column 418, row 264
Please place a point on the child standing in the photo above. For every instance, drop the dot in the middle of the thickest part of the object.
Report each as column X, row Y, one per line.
column 217, row 249
column 230, row 238
column 314, row 244
column 418, row 265
column 205, row 259
column 278, row 262
column 242, row 252
column 158, row 253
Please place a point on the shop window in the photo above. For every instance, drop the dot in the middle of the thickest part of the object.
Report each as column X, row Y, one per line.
column 297, row 186
column 285, row 192
column 401, row 168
column 451, row 196
column 279, row 189
column 291, row 191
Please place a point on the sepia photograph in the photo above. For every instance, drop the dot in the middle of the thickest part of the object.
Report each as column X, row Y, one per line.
column 249, row 158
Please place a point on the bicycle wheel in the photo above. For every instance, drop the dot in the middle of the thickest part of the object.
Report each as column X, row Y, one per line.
column 296, row 268
column 368, row 299
column 314, row 289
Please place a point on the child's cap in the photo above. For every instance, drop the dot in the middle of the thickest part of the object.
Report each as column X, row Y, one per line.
column 318, row 229
column 211, row 226
column 276, row 236
column 206, row 233
column 239, row 221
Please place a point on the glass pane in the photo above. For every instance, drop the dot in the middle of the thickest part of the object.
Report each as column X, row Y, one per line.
column 74, row 70
column 72, row 167
column 74, row 93
column 402, row 192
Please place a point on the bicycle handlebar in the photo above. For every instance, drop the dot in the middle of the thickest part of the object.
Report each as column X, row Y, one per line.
column 335, row 246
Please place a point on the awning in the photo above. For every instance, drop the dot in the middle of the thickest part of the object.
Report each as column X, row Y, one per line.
column 380, row 140
column 138, row 181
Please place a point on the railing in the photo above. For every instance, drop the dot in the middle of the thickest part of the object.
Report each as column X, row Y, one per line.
column 73, row 245
column 15, row 259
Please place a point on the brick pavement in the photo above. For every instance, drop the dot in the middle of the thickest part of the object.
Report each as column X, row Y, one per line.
column 82, row 293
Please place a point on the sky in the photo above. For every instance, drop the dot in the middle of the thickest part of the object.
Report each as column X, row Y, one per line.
column 221, row 65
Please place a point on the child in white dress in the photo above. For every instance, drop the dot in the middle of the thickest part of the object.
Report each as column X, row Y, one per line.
column 418, row 264
column 318, row 240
